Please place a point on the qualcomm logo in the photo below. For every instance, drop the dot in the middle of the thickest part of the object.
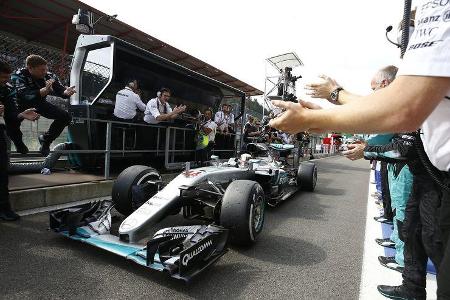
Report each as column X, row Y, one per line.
column 187, row 257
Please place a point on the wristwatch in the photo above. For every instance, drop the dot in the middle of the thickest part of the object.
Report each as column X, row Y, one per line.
column 335, row 94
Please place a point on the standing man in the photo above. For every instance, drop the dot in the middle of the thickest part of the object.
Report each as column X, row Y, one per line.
column 250, row 131
column 418, row 97
column 208, row 127
column 33, row 84
column 127, row 102
column 9, row 116
column 158, row 109
column 225, row 119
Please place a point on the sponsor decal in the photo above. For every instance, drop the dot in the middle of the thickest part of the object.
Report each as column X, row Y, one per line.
column 423, row 45
column 190, row 255
column 425, row 32
column 192, row 173
column 428, row 19
column 178, row 230
column 446, row 16
column 434, row 4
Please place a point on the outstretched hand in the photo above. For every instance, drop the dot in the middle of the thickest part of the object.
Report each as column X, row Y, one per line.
column 355, row 151
column 322, row 90
column 292, row 120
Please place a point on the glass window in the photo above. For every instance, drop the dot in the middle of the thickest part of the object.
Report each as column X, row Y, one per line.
column 96, row 73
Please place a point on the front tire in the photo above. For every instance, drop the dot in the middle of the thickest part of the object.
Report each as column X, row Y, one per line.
column 307, row 176
column 242, row 212
column 122, row 195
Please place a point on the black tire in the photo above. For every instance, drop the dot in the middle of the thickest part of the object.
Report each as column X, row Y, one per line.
column 122, row 188
column 307, row 176
column 242, row 211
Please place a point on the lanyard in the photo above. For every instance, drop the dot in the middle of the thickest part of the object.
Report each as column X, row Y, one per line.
column 158, row 103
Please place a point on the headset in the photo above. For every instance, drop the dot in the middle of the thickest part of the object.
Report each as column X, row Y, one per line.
column 133, row 83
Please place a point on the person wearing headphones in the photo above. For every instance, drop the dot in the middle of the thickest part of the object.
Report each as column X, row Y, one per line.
column 127, row 102
column 159, row 110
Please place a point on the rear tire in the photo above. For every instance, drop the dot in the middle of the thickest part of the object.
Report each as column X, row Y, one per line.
column 122, row 188
column 242, row 211
column 307, row 176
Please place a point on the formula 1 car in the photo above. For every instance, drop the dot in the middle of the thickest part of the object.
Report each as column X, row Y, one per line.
column 229, row 198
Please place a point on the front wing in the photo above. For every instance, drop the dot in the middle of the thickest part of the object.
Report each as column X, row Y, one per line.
column 182, row 251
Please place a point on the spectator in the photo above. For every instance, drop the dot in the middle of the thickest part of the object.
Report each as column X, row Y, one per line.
column 158, row 109
column 127, row 101
column 33, row 84
column 8, row 114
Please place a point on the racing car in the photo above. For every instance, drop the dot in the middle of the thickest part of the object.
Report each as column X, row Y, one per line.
column 229, row 198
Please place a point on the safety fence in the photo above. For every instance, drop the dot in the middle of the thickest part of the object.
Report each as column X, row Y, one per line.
column 14, row 50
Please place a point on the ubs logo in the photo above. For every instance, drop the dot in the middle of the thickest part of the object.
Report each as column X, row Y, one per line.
column 446, row 16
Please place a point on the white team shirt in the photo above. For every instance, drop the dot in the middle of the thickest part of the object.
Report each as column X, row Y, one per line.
column 223, row 120
column 154, row 109
column 428, row 54
column 126, row 104
column 211, row 125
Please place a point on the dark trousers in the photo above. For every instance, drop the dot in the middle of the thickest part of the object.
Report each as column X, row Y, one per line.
column 421, row 234
column 4, row 194
column 204, row 154
column 61, row 118
column 385, row 192
column 443, row 278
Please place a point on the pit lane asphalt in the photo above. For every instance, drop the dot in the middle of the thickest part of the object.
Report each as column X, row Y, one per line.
column 311, row 248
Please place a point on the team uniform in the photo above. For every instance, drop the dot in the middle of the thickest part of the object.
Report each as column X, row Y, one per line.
column 127, row 102
column 9, row 119
column 28, row 96
column 154, row 109
column 428, row 54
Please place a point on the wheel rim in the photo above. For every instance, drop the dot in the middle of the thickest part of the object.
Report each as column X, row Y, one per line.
column 147, row 177
column 257, row 213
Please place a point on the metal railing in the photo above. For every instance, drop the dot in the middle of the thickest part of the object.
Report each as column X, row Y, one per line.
column 170, row 150
column 174, row 136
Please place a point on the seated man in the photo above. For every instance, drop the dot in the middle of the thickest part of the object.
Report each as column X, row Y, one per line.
column 33, row 84
column 159, row 110
column 127, row 101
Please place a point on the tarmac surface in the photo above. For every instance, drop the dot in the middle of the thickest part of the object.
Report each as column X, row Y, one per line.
column 311, row 248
